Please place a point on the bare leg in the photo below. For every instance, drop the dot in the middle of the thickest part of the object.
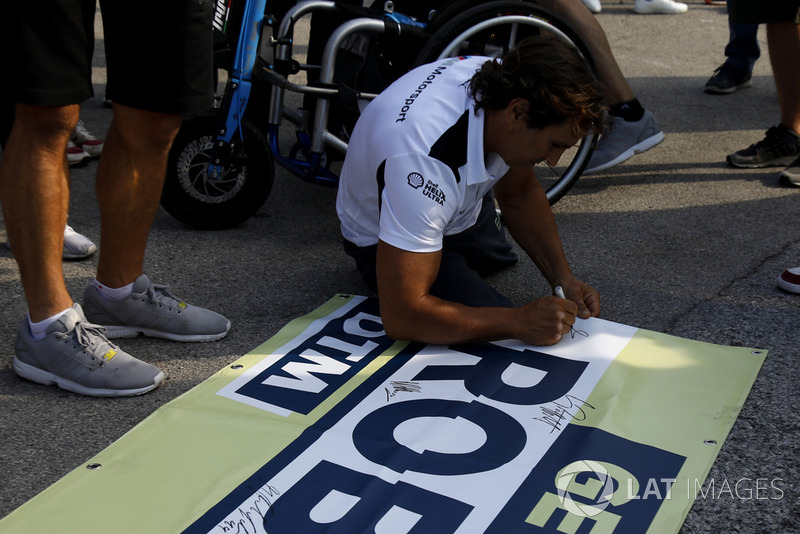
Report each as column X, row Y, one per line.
column 585, row 24
column 34, row 188
column 783, row 39
column 130, row 177
column 632, row 129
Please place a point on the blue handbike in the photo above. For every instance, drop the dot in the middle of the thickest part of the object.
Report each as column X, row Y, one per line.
column 222, row 164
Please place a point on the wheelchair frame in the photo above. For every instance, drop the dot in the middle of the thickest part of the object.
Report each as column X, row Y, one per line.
column 230, row 142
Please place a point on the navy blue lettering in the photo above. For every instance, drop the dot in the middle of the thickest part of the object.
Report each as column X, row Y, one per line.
column 372, row 500
column 485, row 377
column 310, row 373
column 374, row 437
column 536, row 506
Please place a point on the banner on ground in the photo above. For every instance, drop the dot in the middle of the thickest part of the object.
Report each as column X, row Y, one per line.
column 331, row 426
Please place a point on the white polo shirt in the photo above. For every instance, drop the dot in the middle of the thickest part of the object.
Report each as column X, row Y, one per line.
column 415, row 168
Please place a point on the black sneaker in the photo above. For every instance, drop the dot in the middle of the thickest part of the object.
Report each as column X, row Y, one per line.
column 780, row 146
column 727, row 79
column 791, row 176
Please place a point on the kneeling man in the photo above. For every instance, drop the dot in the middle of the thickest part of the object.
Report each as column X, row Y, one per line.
column 415, row 194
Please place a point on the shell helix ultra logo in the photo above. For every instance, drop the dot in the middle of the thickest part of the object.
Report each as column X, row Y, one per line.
column 566, row 480
column 415, row 180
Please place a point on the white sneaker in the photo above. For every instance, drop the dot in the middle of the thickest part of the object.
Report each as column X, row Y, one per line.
column 76, row 155
column 789, row 280
column 77, row 246
column 669, row 7
column 85, row 139
column 593, row 5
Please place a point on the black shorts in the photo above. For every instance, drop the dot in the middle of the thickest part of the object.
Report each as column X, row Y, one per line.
column 764, row 11
column 158, row 54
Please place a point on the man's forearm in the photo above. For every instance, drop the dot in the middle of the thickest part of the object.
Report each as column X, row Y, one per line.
column 440, row 322
column 409, row 311
column 529, row 219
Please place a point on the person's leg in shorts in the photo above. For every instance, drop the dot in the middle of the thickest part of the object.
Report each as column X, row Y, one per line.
column 159, row 68
column 52, row 43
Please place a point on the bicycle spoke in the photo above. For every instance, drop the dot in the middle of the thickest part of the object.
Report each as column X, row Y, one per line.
column 512, row 36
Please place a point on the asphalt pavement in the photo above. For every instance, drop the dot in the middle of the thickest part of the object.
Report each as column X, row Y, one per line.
column 674, row 239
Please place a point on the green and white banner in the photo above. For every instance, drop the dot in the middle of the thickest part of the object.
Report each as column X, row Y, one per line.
column 331, row 426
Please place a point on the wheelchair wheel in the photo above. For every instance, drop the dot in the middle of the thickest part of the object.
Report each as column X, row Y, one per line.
column 194, row 198
column 491, row 29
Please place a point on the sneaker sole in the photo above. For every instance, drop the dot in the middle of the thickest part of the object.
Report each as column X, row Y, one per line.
column 73, row 255
column 780, row 162
column 787, row 181
column 116, row 332
column 638, row 148
column 70, row 256
column 787, row 286
column 67, row 255
column 40, row 376
column 656, row 11
column 92, row 153
column 714, row 90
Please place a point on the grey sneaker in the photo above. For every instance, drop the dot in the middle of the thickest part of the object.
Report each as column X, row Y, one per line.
column 151, row 310
column 790, row 177
column 780, row 146
column 623, row 140
column 76, row 356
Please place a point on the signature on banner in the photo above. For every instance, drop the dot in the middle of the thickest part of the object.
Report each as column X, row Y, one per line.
column 562, row 411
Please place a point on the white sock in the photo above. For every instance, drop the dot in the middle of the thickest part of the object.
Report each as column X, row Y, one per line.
column 39, row 330
column 114, row 293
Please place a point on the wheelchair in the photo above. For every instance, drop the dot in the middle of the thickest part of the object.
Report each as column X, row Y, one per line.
column 222, row 163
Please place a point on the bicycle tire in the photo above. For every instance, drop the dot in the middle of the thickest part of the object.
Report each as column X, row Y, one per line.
column 475, row 28
column 192, row 197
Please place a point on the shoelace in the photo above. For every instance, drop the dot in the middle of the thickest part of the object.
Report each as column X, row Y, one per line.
column 159, row 294
column 779, row 142
column 85, row 333
column 84, row 330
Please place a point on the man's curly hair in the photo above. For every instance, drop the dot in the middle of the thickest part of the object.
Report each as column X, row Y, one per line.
column 551, row 75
